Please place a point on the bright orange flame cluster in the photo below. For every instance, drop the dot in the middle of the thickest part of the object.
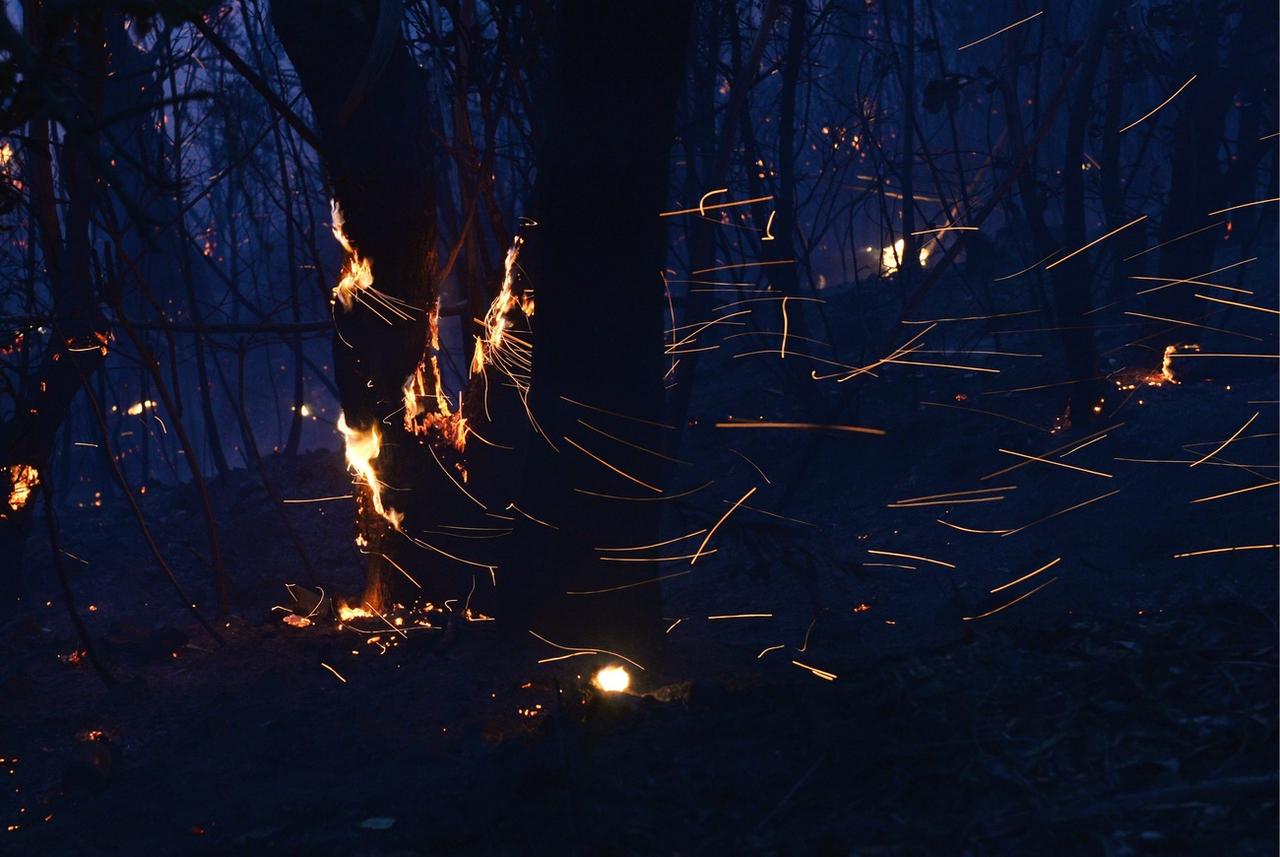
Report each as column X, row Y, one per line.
column 357, row 273
column 23, row 479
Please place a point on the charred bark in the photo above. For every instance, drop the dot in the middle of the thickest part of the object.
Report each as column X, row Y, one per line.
column 370, row 104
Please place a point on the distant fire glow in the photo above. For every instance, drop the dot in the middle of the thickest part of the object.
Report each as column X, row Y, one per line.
column 23, row 479
column 614, row 679
column 891, row 256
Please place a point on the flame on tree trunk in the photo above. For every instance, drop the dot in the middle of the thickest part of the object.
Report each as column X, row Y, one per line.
column 369, row 100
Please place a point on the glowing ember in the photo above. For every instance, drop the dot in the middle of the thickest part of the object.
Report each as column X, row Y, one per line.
column 614, row 679
column 23, row 478
column 137, row 408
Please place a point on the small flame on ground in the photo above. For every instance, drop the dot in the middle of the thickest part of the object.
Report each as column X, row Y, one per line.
column 346, row 613
column 613, row 679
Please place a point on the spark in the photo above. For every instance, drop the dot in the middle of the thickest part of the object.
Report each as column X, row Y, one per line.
column 673, row 625
column 1030, row 267
column 656, row 558
column 1172, row 240
column 768, row 227
column 1066, row 446
column 743, row 265
column 397, row 567
column 740, row 616
column 1055, row 463
column 1158, row 107
column 335, row 672
column 1028, row 576
column 1225, row 550
column 702, row 208
column 644, row 499
column 635, row 446
column 769, row 649
column 657, row 544
column 776, row 515
column 958, row 493
column 1224, row 444
column 1237, row 303
column 1011, row 603
column 723, row 518
column 910, row 556
column 963, row 502
column 972, row 530
column 621, row 473
column 1100, row 238
column 1237, row 491
column 630, row 585
column 823, row 674
column 808, row 426
column 1191, row 323
column 316, row 499
column 786, row 325
column 1190, row 282
column 1245, row 205
column 584, row 651
column 1083, row 445
column 945, row 229
column 1004, row 29
column 1221, row 354
column 988, row 413
column 616, row 414
column 943, row 365
column 1197, row 276
column 766, row 479
column 513, row 506
column 1061, row 512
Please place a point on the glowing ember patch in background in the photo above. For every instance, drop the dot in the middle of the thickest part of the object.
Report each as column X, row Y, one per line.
column 614, row 679
column 23, row 479
column 890, row 256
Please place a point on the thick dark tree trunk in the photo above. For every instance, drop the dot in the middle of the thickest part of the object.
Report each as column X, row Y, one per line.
column 370, row 103
column 1073, row 279
column 597, row 396
column 1199, row 183
column 78, row 341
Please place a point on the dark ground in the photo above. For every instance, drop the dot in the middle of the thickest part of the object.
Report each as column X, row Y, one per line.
column 1128, row 708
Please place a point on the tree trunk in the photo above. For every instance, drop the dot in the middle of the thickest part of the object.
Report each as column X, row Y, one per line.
column 595, row 262
column 78, row 341
column 370, row 102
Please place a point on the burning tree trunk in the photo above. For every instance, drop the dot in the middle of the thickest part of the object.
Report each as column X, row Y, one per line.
column 370, row 102
column 78, row 341
column 591, row 486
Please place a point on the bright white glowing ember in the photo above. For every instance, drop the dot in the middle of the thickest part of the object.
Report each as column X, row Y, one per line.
column 614, row 679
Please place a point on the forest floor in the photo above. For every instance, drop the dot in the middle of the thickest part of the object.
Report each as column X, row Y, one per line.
column 1127, row 707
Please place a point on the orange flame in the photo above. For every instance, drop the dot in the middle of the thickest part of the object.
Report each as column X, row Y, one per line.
column 23, row 479
column 357, row 273
column 362, row 447
column 495, row 320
